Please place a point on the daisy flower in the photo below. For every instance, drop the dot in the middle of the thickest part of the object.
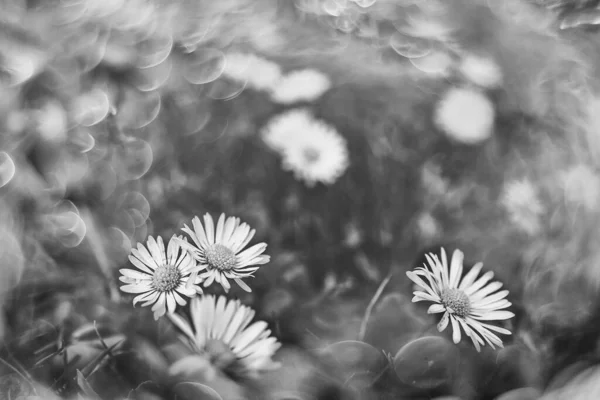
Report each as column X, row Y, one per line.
column 311, row 149
column 582, row 186
column 465, row 302
column 257, row 72
column 520, row 199
column 302, row 85
column 286, row 127
column 465, row 115
column 162, row 277
column 221, row 329
column 481, row 71
column 219, row 251
column 320, row 155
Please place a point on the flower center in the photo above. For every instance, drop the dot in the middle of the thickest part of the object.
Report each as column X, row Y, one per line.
column 311, row 155
column 220, row 257
column 456, row 301
column 221, row 355
column 166, row 277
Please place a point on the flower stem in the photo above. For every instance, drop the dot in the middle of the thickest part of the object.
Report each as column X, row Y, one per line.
column 369, row 310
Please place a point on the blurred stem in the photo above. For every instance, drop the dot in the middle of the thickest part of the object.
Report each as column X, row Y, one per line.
column 369, row 310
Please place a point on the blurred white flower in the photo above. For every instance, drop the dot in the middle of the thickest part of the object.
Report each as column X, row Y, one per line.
column 520, row 199
column 428, row 227
column 219, row 252
column 481, row 71
column 52, row 122
column 162, row 277
column 311, row 149
column 465, row 302
column 287, row 127
column 582, row 186
column 302, row 85
column 221, row 329
column 466, row 115
column 259, row 73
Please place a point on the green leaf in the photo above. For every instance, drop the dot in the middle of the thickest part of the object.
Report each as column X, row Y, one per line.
column 85, row 386
column 195, row 391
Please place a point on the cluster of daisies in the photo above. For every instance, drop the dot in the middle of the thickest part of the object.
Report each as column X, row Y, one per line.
column 260, row 74
column 221, row 327
column 310, row 148
column 466, row 113
column 166, row 276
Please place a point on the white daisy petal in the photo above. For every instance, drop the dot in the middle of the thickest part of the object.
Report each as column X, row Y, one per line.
column 230, row 227
column 470, row 276
column 199, row 233
column 241, row 237
column 422, row 296
column 456, row 267
column 140, row 264
column 444, row 269
column 209, row 227
column 479, row 283
column 135, row 288
column 443, row 322
column 150, row 296
column 491, row 299
column 492, row 306
column 172, row 250
column 220, row 227
column 171, row 304
column 130, row 273
column 180, row 300
column 413, row 277
column 243, row 285
column 474, row 338
column 488, row 289
column 142, row 254
column 494, row 315
column 493, row 328
column 455, row 330
column 436, row 308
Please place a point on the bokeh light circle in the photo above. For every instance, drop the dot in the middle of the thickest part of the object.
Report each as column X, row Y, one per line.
column 7, row 169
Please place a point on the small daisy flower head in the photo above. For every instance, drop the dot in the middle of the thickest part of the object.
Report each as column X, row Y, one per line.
column 301, row 86
column 163, row 278
column 222, row 330
column 520, row 199
column 428, row 227
column 465, row 115
column 481, row 71
column 582, row 187
column 465, row 302
column 259, row 73
column 320, row 154
column 286, row 127
column 219, row 250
